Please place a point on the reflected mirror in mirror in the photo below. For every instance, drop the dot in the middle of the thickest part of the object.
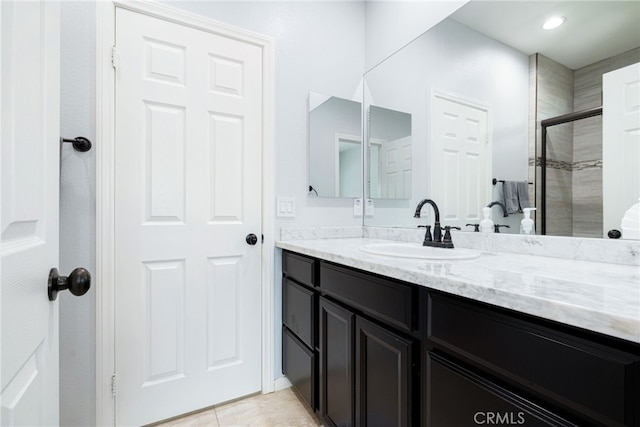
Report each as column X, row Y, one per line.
column 335, row 146
column 493, row 62
column 390, row 154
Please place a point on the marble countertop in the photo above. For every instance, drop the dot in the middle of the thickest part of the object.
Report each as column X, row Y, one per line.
column 596, row 296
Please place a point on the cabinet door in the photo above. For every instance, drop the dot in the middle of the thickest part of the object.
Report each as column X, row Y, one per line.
column 383, row 376
column 336, row 362
column 298, row 364
column 459, row 397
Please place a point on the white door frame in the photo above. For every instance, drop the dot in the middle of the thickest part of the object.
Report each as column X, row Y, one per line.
column 342, row 137
column 105, row 196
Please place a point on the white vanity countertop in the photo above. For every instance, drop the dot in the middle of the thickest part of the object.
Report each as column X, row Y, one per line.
column 596, row 296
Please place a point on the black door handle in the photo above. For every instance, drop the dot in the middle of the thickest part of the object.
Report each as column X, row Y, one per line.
column 251, row 239
column 78, row 282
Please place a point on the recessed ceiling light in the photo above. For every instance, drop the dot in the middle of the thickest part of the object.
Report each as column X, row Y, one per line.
column 554, row 22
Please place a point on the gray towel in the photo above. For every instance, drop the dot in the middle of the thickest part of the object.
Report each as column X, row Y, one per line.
column 510, row 196
column 515, row 196
column 523, row 194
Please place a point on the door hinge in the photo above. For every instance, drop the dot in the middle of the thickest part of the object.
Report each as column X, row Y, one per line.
column 113, row 385
column 115, row 57
column 262, row 235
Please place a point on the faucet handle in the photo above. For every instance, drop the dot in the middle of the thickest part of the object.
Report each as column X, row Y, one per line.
column 476, row 227
column 427, row 234
column 447, row 233
column 496, row 227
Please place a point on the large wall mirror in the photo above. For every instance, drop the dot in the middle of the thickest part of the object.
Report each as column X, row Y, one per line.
column 335, row 146
column 476, row 87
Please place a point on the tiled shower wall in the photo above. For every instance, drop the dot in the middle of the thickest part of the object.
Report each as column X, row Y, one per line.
column 574, row 150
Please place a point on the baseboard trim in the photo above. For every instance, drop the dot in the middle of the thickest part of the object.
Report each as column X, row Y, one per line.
column 281, row 383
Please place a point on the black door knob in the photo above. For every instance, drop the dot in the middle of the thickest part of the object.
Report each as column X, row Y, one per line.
column 251, row 239
column 78, row 282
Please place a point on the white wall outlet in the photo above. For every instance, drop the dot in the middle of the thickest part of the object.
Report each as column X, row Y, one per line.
column 357, row 207
column 286, row 207
column 368, row 207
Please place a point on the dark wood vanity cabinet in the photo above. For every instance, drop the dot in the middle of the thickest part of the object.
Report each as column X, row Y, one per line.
column 367, row 350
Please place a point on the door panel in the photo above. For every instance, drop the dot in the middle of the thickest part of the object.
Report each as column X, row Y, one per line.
column 29, row 211
column 395, row 163
column 188, row 191
column 621, row 144
column 164, row 321
column 223, row 308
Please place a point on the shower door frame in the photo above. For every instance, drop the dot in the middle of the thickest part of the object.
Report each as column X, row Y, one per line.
column 544, row 124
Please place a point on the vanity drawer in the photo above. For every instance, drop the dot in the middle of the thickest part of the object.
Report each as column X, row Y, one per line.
column 594, row 379
column 300, row 268
column 459, row 397
column 299, row 311
column 299, row 366
column 387, row 299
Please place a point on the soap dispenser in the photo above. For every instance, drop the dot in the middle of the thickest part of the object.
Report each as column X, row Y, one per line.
column 487, row 229
column 486, row 225
column 526, row 225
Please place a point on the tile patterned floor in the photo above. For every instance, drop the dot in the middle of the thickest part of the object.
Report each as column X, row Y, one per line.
column 280, row 409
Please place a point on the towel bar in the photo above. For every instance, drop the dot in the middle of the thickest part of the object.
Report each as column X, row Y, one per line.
column 495, row 181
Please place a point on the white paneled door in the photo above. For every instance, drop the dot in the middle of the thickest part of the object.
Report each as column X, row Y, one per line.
column 187, row 194
column 461, row 158
column 620, row 144
column 394, row 168
column 29, row 211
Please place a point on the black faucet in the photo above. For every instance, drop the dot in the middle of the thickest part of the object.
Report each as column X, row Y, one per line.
column 504, row 209
column 436, row 240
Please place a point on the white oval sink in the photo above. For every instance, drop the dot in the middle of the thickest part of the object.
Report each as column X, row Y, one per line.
column 415, row 250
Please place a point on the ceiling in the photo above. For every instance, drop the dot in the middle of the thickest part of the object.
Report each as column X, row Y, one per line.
column 594, row 30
